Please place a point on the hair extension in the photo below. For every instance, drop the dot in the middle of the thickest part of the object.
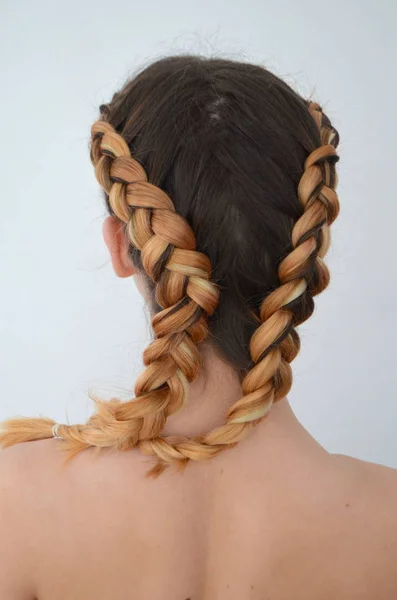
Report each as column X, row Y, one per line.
column 188, row 296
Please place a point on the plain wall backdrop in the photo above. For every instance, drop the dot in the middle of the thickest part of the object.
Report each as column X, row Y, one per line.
column 67, row 323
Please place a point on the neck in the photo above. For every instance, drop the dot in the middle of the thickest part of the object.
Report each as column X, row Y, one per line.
column 212, row 393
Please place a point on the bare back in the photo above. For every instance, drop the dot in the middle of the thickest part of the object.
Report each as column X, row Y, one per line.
column 271, row 519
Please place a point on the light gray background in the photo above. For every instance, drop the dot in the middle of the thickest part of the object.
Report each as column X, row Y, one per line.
column 67, row 323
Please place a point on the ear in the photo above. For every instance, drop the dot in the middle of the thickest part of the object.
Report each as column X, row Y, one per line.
column 117, row 244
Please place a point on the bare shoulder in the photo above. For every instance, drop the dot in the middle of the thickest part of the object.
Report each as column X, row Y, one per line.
column 42, row 500
column 19, row 467
column 54, row 493
column 379, row 482
column 27, row 468
column 338, row 528
column 38, row 470
column 368, row 519
column 35, row 482
column 374, row 490
column 26, row 471
column 17, row 491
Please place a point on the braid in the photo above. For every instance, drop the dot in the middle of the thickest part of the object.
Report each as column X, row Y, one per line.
column 187, row 297
column 275, row 343
column 183, row 290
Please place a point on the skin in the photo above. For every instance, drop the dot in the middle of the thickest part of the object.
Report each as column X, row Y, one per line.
column 276, row 518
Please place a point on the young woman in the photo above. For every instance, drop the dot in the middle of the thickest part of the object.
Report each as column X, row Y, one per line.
column 220, row 184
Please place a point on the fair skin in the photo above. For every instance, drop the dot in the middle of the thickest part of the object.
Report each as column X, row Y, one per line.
column 276, row 518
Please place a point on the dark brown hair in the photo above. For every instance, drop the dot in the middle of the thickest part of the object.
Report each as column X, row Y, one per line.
column 227, row 141
column 248, row 167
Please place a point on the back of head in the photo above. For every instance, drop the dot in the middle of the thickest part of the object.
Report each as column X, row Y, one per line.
column 223, row 179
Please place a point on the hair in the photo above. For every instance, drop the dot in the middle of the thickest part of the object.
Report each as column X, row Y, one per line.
column 223, row 178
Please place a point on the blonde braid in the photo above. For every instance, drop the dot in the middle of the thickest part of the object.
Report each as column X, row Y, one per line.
column 184, row 291
column 275, row 343
column 302, row 273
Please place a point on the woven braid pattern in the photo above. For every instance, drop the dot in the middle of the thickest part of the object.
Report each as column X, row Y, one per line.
column 275, row 343
column 184, row 290
column 187, row 297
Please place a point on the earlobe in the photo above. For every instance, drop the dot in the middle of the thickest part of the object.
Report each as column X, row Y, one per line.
column 117, row 244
